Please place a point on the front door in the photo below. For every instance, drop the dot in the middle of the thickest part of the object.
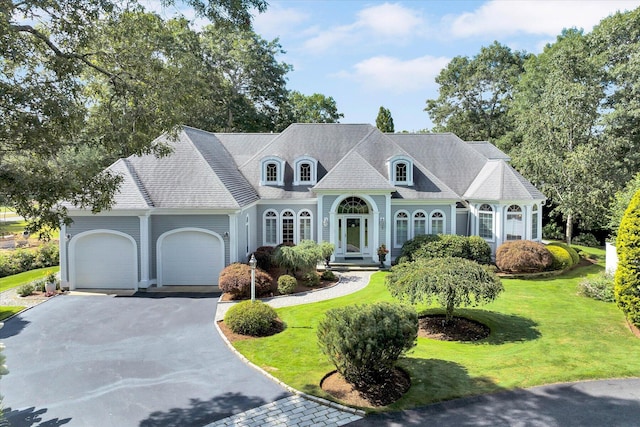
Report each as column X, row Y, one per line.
column 353, row 236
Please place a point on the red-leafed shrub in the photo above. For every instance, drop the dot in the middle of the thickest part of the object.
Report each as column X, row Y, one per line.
column 236, row 280
column 523, row 256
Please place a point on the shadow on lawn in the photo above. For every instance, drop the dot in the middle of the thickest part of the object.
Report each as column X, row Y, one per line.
column 504, row 327
column 29, row 417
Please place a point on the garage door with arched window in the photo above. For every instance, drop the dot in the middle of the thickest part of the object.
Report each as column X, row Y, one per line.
column 189, row 257
column 103, row 259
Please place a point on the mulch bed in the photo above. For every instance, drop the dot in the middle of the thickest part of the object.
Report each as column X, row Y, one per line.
column 275, row 273
column 392, row 390
column 277, row 327
column 459, row 329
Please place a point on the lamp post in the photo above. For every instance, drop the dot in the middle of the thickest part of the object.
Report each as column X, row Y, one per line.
column 252, row 264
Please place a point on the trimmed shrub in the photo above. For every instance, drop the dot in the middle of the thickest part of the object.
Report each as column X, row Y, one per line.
column 26, row 289
column 561, row 257
column 251, row 318
column 523, row 256
column 575, row 257
column 586, row 239
column 364, row 341
column 287, row 284
column 264, row 257
column 236, row 280
column 21, row 260
column 430, row 246
column 452, row 282
column 301, row 258
column 627, row 277
column 328, row 275
column 599, row 287
column 311, row 279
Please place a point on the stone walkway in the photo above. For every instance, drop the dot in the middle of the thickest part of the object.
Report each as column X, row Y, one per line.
column 299, row 410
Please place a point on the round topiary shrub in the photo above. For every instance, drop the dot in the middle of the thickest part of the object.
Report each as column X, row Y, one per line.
column 328, row 275
column 561, row 257
column 627, row 277
column 523, row 256
column 311, row 279
column 365, row 341
column 575, row 257
column 236, row 280
column 253, row 318
column 287, row 284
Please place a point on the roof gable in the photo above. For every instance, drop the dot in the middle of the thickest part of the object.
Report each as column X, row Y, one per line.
column 499, row 181
column 353, row 172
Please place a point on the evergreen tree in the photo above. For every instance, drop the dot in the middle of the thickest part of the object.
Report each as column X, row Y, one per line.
column 627, row 278
column 384, row 121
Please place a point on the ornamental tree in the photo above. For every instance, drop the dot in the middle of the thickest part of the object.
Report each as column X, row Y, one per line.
column 451, row 282
column 627, row 277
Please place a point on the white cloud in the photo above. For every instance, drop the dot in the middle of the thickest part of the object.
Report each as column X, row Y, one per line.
column 386, row 22
column 540, row 17
column 277, row 21
column 395, row 75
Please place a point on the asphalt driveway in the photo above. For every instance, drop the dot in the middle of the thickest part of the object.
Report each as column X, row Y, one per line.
column 125, row 361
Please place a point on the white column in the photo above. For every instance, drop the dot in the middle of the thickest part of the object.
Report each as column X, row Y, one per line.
column 454, row 218
column 319, row 218
column 527, row 217
column 144, row 251
column 233, row 238
column 388, row 223
column 64, row 247
column 499, row 224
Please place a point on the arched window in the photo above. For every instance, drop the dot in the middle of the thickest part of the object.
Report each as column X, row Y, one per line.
column 272, row 171
column 402, row 228
column 353, row 205
column 401, row 170
column 419, row 223
column 437, row 222
column 485, row 222
column 305, row 171
column 514, row 226
column 304, row 225
column 288, row 223
column 270, row 228
column 534, row 222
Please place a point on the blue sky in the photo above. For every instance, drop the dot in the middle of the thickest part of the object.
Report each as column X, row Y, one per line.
column 371, row 53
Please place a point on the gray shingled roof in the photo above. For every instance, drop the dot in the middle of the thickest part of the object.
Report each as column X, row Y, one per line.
column 499, row 181
column 131, row 193
column 353, row 172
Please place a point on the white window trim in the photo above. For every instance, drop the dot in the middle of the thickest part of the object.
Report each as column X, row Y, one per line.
column 313, row 163
column 298, row 230
column 535, row 213
column 413, row 234
column 264, row 227
column 294, row 217
column 280, row 170
column 493, row 222
column 247, row 230
column 521, row 212
column 444, row 221
column 392, row 170
column 395, row 228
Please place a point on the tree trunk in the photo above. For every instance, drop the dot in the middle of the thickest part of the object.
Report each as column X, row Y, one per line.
column 569, row 229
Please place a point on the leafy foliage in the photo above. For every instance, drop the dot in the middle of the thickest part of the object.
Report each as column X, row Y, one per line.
column 300, row 258
column 620, row 203
column 236, row 280
column 627, row 277
column 21, row 260
column 253, row 318
column 26, row 289
column 384, row 121
column 599, row 287
column 287, row 284
column 452, row 282
column 328, row 275
column 561, row 257
column 316, row 108
column 429, row 246
column 586, row 239
column 365, row 341
column 575, row 257
column 523, row 256
column 264, row 257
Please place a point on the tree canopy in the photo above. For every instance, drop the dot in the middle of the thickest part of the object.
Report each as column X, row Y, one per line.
column 384, row 121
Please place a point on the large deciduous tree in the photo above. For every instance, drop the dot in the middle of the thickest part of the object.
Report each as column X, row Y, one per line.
column 475, row 94
column 384, row 121
column 556, row 111
column 315, row 108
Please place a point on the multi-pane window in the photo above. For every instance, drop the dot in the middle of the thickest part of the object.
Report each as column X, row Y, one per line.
column 437, row 223
column 419, row 224
column 534, row 223
column 305, row 172
column 271, row 172
column 287, row 227
column 514, row 224
column 353, row 205
column 402, row 228
column 304, row 225
column 485, row 222
column 270, row 228
column 401, row 172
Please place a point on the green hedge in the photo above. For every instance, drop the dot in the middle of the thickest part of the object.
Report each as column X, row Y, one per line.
column 21, row 260
column 429, row 246
column 575, row 257
column 627, row 278
column 561, row 257
column 251, row 318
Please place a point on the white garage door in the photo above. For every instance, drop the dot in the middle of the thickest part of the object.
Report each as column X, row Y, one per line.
column 105, row 261
column 190, row 257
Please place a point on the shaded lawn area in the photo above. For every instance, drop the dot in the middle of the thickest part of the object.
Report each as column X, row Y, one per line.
column 541, row 332
column 10, row 310
column 16, row 280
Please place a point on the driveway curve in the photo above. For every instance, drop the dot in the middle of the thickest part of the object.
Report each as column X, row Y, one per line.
column 125, row 361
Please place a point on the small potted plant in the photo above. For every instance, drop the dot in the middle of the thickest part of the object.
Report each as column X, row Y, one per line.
column 382, row 254
column 50, row 284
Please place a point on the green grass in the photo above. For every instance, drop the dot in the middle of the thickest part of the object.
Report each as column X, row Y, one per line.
column 8, row 311
column 16, row 280
column 541, row 332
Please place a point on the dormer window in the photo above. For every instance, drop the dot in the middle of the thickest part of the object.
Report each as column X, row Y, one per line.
column 272, row 171
column 305, row 171
column 401, row 170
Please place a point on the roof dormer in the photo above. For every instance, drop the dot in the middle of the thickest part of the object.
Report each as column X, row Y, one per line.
column 400, row 170
column 305, row 171
column 272, row 171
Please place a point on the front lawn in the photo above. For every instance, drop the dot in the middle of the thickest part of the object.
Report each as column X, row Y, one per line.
column 16, row 280
column 9, row 310
column 542, row 332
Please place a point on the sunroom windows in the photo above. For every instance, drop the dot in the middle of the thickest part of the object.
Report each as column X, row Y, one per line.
column 286, row 227
column 485, row 221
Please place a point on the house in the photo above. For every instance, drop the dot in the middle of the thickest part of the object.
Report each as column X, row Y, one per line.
column 180, row 219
